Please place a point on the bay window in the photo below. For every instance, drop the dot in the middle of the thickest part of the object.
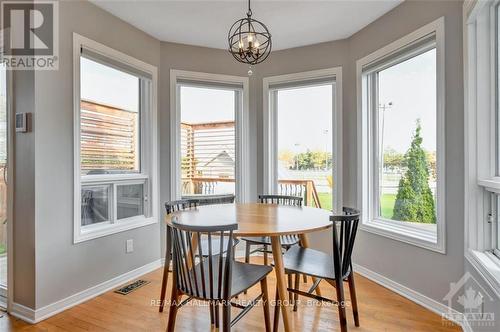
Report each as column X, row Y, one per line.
column 482, row 142
column 115, row 141
column 402, row 139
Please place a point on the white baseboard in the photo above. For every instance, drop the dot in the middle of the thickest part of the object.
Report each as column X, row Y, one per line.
column 22, row 312
column 410, row 294
column 34, row 316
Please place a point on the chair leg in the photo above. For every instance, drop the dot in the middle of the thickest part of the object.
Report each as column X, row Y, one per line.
column 295, row 295
column 226, row 316
column 165, row 271
column 172, row 314
column 247, row 252
column 354, row 300
column 266, row 259
column 290, row 285
column 216, row 314
column 276, row 312
column 211, row 308
column 164, row 286
column 265, row 300
column 339, row 289
column 247, row 256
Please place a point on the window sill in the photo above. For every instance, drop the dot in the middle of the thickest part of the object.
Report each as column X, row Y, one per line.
column 98, row 178
column 97, row 231
column 491, row 184
column 420, row 235
column 488, row 267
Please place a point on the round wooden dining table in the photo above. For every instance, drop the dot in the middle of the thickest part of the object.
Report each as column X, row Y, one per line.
column 256, row 219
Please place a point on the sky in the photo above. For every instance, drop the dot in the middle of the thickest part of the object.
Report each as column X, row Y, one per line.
column 199, row 105
column 305, row 119
column 106, row 85
column 411, row 87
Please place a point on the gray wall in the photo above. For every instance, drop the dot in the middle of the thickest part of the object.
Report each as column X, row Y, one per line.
column 491, row 302
column 62, row 269
column 24, row 194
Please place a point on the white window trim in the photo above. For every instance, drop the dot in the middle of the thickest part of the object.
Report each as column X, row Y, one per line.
column 242, row 171
column 150, row 155
column 479, row 129
column 392, row 229
column 270, row 146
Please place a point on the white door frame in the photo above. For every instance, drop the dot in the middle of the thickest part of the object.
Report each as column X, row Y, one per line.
column 10, row 190
column 270, row 133
column 242, row 172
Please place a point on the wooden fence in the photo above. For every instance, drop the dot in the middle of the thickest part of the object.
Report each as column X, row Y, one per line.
column 208, row 150
column 109, row 138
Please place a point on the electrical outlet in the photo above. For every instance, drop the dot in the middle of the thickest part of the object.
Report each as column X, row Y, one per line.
column 129, row 247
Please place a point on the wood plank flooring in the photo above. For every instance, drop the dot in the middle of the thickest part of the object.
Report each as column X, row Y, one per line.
column 379, row 308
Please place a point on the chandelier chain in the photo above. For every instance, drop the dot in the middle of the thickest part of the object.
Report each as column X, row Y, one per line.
column 249, row 12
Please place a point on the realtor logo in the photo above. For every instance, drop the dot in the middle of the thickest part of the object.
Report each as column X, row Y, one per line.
column 29, row 35
column 468, row 294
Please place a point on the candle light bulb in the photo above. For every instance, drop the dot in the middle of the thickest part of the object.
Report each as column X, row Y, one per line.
column 256, row 44
column 250, row 38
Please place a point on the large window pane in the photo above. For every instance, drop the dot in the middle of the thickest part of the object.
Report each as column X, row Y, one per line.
column 109, row 120
column 207, row 141
column 95, row 204
column 305, row 143
column 129, row 200
column 406, row 149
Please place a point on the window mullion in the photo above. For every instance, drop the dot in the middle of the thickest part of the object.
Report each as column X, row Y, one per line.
column 375, row 174
column 114, row 205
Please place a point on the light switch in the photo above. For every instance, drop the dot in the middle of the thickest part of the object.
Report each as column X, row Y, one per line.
column 129, row 246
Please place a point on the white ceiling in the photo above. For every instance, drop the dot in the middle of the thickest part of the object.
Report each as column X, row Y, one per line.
column 206, row 23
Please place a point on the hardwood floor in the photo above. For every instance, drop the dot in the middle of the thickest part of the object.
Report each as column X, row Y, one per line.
column 379, row 309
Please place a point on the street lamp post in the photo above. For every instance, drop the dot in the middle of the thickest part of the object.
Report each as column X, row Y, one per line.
column 382, row 108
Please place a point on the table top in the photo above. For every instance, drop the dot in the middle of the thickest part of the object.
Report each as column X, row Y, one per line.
column 256, row 219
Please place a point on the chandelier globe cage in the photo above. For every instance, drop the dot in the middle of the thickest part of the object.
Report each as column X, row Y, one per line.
column 249, row 40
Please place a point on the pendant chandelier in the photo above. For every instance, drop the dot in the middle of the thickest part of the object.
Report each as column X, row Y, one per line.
column 249, row 40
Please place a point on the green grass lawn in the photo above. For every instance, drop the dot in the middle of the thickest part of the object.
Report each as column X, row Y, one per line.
column 387, row 205
column 325, row 200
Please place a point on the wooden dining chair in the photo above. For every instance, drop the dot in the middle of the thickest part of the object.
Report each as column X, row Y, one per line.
column 216, row 278
column 180, row 205
column 335, row 270
column 263, row 242
column 217, row 199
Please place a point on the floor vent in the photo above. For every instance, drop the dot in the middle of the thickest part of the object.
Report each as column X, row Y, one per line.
column 131, row 287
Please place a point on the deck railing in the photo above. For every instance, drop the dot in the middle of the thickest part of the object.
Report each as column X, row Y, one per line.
column 301, row 188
